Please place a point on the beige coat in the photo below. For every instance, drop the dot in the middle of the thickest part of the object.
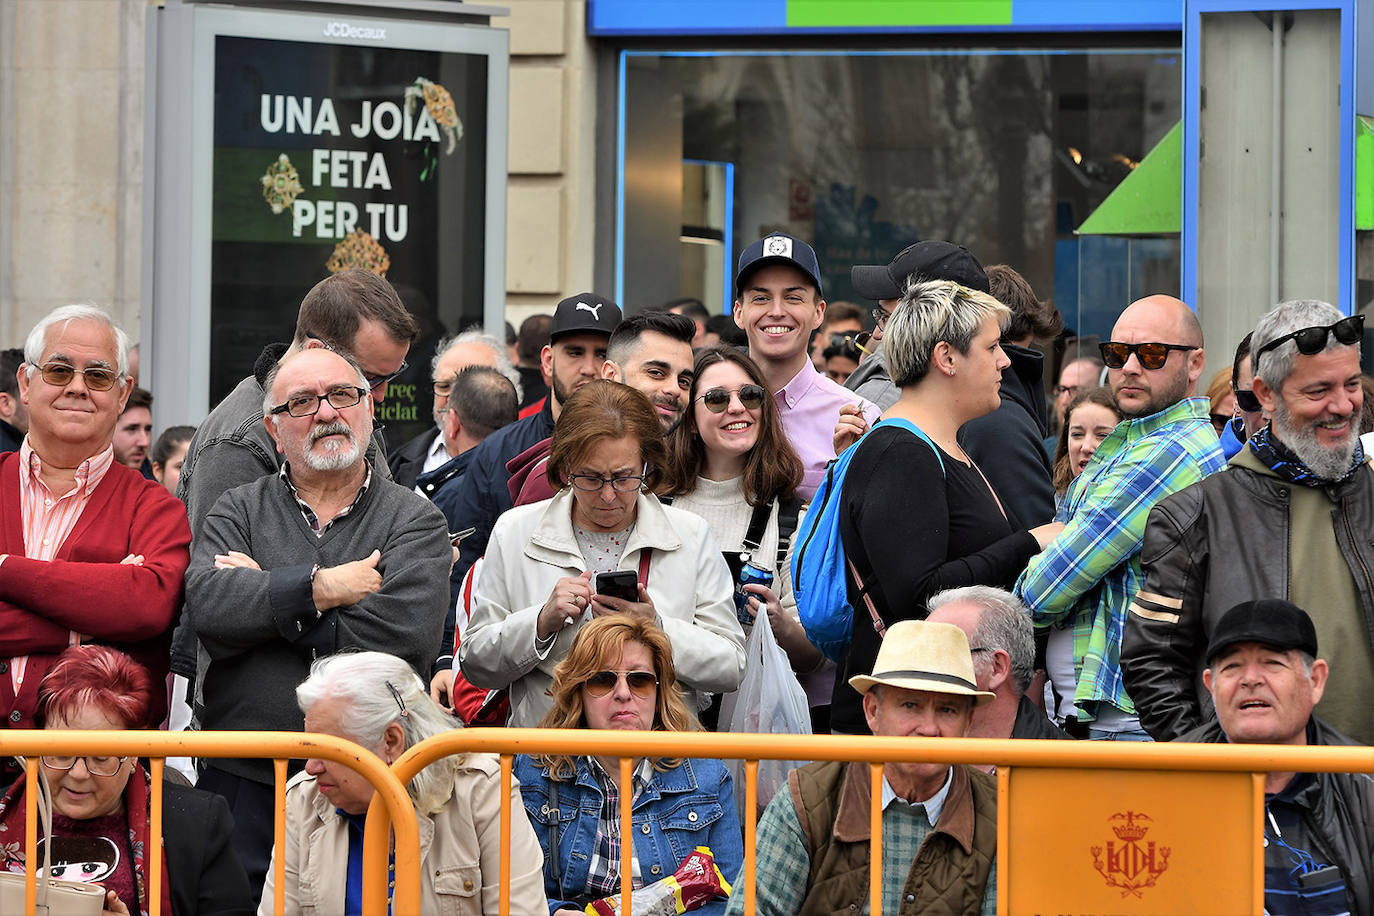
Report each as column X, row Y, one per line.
column 534, row 546
column 460, row 858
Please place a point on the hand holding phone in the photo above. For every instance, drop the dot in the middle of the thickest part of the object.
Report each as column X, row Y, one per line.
column 622, row 584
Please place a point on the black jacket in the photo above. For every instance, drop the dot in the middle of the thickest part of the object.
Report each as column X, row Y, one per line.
column 1338, row 814
column 1031, row 722
column 10, row 438
column 1207, row 548
column 408, row 461
column 1008, row 444
column 203, row 868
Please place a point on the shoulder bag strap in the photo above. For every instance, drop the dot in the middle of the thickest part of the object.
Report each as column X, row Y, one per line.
column 645, row 554
column 758, row 523
column 789, row 511
column 868, row 601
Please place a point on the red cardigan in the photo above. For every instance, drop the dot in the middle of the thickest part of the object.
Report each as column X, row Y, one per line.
column 87, row 589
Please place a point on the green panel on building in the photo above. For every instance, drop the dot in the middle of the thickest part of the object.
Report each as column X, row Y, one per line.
column 894, row 13
column 1364, row 172
column 1150, row 200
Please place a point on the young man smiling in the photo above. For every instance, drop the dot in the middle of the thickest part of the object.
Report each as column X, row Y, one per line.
column 778, row 303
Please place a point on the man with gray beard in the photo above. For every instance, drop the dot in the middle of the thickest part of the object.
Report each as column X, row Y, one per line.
column 1290, row 518
column 322, row 557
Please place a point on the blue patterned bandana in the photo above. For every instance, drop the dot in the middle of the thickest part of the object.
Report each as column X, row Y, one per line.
column 1281, row 460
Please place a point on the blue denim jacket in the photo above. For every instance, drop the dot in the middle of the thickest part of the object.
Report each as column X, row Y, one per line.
column 688, row 806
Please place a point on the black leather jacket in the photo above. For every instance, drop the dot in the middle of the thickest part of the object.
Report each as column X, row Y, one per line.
column 1338, row 814
column 1242, row 516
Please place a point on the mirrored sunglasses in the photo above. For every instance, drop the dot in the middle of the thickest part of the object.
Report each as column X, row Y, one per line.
column 1151, row 355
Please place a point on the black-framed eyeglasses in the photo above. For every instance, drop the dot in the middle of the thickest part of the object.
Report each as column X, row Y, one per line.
column 718, row 399
column 1312, row 340
column 96, row 766
column 1070, row 390
column 98, row 378
column 377, row 381
column 1151, row 355
column 594, row 483
column 1246, row 400
column 641, row 683
column 880, row 317
column 443, row 386
column 307, row 405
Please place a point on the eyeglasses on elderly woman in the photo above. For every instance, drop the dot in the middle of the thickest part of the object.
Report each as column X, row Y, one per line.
column 96, row 766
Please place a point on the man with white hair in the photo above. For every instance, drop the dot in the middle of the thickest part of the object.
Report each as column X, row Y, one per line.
column 1289, row 518
column 89, row 550
column 322, row 557
column 1002, row 641
column 428, row 451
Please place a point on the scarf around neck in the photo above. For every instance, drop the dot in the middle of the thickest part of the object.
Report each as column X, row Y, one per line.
column 1280, row 459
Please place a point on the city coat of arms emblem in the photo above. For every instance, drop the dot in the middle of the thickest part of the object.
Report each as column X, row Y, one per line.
column 1131, row 862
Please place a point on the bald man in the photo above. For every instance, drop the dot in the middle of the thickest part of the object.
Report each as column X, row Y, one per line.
column 1080, row 587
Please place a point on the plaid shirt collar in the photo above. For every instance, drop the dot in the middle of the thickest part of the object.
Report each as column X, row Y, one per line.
column 310, row 517
column 603, row 871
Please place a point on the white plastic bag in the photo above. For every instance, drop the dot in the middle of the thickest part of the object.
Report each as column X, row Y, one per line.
column 769, row 701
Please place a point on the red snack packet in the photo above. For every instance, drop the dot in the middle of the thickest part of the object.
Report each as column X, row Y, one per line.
column 696, row 881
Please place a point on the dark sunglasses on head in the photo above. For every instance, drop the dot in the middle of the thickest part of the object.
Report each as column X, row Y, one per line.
column 1246, row 400
column 1151, row 355
column 1311, row 341
column 641, row 683
column 717, row 399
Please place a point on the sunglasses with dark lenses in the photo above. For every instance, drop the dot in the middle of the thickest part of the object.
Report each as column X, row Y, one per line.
column 641, row 683
column 1151, row 355
column 1311, row 341
column 61, row 375
column 717, row 399
column 376, row 381
column 1246, row 400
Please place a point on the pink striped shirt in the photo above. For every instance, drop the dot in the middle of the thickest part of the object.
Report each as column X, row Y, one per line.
column 47, row 520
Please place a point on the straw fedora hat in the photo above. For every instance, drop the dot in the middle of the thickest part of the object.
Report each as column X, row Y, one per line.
column 920, row 655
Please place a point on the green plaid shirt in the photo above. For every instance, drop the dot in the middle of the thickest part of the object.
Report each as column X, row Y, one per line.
column 1087, row 577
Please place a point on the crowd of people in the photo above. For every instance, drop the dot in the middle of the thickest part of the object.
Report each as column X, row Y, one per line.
column 606, row 509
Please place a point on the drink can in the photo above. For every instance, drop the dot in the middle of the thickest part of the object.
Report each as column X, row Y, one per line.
column 749, row 574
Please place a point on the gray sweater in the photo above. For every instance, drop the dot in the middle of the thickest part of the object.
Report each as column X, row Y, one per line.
column 260, row 627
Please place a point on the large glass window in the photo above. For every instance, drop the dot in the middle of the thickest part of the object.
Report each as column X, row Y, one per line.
column 1005, row 151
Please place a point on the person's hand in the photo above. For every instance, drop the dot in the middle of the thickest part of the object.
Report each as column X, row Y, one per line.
column 1046, row 533
column 232, row 560
column 644, row 607
column 764, row 598
column 441, row 687
column 133, row 559
column 850, row 428
column 347, row 583
column 571, row 596
column 114, row 906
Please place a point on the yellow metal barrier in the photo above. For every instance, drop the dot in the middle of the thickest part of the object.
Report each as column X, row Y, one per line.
column 1079, row 761
column 390, row 796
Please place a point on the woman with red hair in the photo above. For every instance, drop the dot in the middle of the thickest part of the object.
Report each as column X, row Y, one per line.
column 101, row 831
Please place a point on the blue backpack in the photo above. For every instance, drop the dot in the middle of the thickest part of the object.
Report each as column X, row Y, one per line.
column 818, row 564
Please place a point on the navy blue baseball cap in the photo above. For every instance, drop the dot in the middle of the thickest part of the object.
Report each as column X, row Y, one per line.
column 779, row 248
